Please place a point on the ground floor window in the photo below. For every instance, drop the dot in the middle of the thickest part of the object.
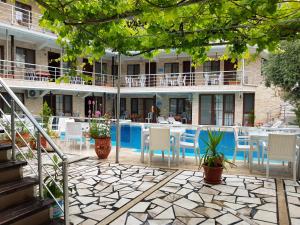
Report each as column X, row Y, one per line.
column 93, row 106
column 248, row 109
column 217, row 109
column 5, row 108
column 140, row 107
column 61, row 105
column 180, row 108
column 122, row 106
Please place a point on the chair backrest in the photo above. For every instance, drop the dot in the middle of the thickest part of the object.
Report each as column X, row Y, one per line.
column 196, row 141
column 150, row 115
column 160, row 119
column 62, row 123
column 282, row 147
column 171, row 119
column 73, row 130
column 159, row 138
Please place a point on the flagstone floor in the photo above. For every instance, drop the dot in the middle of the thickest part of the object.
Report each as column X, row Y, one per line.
column 292, row 191
column 124, row 194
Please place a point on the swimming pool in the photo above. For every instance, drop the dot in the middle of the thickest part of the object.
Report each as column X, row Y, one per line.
column 131, row 138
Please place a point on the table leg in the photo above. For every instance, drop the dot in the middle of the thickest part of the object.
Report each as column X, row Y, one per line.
column 251, row 157
column 177, row 147
column 142, row 147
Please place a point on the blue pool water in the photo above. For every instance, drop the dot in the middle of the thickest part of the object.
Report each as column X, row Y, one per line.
column 131, row 138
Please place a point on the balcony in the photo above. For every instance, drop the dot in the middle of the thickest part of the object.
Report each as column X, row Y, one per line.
column 217, row 78
column 26, row 75
column 21, row 18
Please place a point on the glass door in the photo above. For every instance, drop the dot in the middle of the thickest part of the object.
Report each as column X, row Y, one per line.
column 206, row 112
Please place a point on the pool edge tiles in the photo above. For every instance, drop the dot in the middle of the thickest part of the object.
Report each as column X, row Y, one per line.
column 185, row 199
column 292, row 195
column 107, row 187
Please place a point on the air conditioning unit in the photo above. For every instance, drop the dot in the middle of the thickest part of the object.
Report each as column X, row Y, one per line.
column 32, row 93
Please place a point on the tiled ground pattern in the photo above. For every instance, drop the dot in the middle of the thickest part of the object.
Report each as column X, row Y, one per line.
column 100, row 191
column 292, row 191
column 186, row 200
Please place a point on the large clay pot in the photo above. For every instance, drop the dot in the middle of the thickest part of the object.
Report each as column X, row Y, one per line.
column 102, row 147
column 213, row 175
column 43, row 142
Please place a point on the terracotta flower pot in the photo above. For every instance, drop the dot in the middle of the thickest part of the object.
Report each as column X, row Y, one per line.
column 102, row 147
column 43, row 142
column 213, row 175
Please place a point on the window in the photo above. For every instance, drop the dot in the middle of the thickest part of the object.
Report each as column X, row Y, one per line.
column 24, row 55
column 217, row 109
column 23, row 14
column 133, row 69
column 177, row 106
column 100, row 72
column 122, row 106
column 114, row 70
column 228, row 110
column 171, row 68
column 134, row 105
column 60, row 104
column 5, row 108
column 211, row 66
column 248, row 109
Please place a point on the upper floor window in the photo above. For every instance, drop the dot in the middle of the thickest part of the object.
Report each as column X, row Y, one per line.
column 171, row 68
column 23, row 13
column 133, row 69
column 24, row 55
column 211, row 66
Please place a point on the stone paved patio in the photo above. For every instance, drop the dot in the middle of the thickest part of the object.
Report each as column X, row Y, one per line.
column 292, row 191
column 186, row 199
column 123, row 194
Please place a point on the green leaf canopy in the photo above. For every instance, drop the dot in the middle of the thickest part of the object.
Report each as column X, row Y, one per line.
column 89, row 27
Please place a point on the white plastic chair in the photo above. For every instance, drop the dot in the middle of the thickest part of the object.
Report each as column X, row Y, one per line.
column 149, row 117
column 190, row 141
column 172, row 120
column 241, row 145
column 283, row 147
column 62, row 124
column 74, row 132
column 128, row 81
column 159, row 139
column 142, row 81
column 161, row 120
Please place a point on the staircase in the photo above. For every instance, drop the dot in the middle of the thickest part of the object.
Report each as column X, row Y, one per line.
column 18, row 202
column 22, row 199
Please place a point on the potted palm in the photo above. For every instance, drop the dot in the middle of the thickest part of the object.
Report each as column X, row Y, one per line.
column 213, row 161
column 100, row 132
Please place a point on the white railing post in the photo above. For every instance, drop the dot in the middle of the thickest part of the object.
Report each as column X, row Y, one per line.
column 13, row 130
column 66, row 190
column 40, row 172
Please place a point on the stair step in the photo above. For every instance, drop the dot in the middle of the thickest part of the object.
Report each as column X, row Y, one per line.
column 22, row 212
column 11, row 165
column 5, row 147
column 56, row 222
column 17, row 192
column 14, row 186
column 11, row 171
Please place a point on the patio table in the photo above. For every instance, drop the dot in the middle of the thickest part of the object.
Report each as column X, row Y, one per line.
column 175, row 132
column 255, row 138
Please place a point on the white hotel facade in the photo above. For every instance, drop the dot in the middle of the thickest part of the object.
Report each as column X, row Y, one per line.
column 215, row 93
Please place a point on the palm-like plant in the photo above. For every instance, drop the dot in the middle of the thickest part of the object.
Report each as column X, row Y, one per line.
column 212, row 157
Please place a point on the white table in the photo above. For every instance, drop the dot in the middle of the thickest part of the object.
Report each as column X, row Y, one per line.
column 174, row 132
column 255, row 138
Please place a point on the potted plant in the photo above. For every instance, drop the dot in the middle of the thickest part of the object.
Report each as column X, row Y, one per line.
column 100, row 132
column 213, row 161
column 51, row 184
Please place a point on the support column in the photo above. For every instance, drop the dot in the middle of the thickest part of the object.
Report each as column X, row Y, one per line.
column 195, row 109
column 12, row 53
column 118, row 128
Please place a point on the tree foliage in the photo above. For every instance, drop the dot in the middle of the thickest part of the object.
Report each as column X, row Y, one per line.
column 89, row 27
column 282, row 69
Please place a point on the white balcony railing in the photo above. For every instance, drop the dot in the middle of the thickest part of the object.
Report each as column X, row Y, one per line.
column 20, row 17
column 186, row 79
column 34, row 72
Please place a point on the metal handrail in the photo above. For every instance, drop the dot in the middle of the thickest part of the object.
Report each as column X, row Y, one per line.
column 40, row 130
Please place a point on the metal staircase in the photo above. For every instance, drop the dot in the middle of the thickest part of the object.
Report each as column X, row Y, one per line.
column 22, row 198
